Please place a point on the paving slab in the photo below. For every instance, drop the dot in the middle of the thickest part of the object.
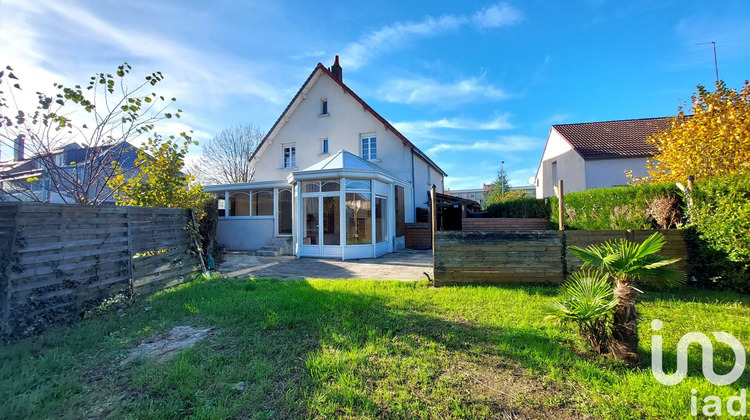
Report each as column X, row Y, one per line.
column 402, row 265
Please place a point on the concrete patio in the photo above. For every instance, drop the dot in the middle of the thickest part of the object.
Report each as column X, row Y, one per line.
column 403, row 265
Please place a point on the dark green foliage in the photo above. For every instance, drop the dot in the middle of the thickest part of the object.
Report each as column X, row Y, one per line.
column 721, row 217
column 521, row 208
column 632, row 207
column 207, row 225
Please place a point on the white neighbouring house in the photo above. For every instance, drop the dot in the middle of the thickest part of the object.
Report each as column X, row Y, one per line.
column 595, row 155
column 332, row 176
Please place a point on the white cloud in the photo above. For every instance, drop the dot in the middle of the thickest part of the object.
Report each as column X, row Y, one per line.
column 497, row 15
column 47, row 42
column 308, row 54
column 430, row 91
column 426, row 128
column 557, row 118
column 357, row 54
column 503, row 144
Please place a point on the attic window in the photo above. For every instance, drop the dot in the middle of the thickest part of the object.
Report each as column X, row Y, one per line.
column 324, row 107
column 369, row 147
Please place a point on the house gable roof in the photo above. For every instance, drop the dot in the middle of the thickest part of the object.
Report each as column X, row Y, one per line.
column 321, row 68
column 613, row 139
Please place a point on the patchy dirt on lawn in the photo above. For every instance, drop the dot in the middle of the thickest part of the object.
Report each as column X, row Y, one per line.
column 164, row 347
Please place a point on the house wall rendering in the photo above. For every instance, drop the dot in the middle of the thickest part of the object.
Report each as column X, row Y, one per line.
column 604, row 173
column 560, row 161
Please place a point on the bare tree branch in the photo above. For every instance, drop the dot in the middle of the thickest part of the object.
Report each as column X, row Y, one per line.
column 226, row 158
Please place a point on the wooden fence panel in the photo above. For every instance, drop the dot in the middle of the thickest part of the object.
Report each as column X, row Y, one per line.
column 504, row 224
column 497, row 257
column 418, row 235
column 59, row 260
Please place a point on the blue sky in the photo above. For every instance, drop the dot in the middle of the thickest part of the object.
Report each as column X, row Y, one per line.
column 471, row 83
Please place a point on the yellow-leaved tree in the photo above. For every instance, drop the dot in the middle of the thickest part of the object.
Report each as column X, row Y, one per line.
column 715, row 140
column 159, row 181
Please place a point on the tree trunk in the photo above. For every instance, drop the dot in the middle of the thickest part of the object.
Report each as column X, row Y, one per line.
column 624, row 344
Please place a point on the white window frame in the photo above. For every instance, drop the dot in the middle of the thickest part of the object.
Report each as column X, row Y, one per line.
column 365, row 151
column 324, row 150
column 292, row 158
column 324, row 111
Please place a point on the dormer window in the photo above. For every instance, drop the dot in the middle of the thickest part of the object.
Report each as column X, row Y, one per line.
column 369, row 147
column 324, row 107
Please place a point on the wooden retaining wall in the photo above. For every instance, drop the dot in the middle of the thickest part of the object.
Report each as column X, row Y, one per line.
column 60, row 260
column 504, row 224
column 518, row 257
column 498, row 257
column 674, row 248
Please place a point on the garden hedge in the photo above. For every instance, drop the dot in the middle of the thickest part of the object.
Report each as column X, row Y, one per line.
column 649, row 206
column 720, row 221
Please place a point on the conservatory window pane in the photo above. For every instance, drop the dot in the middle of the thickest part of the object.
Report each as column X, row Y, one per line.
column 263, row 203
column 331, row 221
column 239, row 204
column 358, row 219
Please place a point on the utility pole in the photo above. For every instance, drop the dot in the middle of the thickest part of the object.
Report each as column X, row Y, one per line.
column 716, row 63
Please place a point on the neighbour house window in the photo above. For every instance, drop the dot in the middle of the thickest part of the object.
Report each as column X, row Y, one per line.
column 262, row 203
column 369, row 147
column 289, row 156
column 324, row 146
column 324, row 107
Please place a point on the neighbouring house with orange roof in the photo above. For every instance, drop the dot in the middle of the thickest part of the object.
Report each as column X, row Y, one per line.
column 332, row 178
column 596, row 154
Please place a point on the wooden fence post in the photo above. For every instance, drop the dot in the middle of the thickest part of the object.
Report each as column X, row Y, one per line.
column 433, row 216
column 129, row 221
column 560, row 205
column 690, row 180
column 5, row 300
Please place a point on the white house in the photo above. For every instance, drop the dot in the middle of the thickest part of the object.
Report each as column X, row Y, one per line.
column 332, row 176
column 595, row 155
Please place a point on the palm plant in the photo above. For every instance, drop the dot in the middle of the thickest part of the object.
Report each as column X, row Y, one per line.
column 587, row 299
column 627, row 264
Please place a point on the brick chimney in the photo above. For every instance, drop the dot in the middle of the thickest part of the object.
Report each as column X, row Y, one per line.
column 336, row 70
column 18, row 146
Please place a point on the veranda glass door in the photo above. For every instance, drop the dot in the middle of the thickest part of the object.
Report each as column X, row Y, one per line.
column 321, row 226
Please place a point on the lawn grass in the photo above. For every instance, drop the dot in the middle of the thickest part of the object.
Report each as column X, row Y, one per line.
column 364, row 349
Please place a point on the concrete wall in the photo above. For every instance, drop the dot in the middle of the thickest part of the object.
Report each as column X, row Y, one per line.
column 606, row 173
column 244, row 234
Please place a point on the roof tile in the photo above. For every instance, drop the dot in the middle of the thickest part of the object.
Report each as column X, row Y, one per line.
column 613, row 139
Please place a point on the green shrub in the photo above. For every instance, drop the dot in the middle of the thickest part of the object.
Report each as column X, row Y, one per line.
column 587, row 299
column 208, row 222
column 721, row 218
column 520, row 208
column 649, row 206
